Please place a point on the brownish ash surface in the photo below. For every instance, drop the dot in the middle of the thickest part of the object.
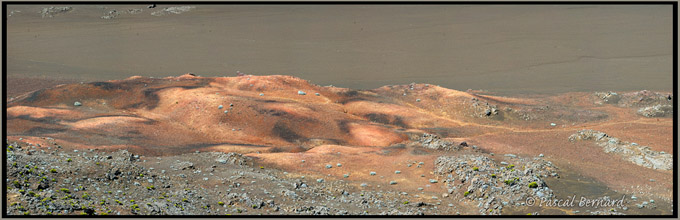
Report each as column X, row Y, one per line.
column 269, row 120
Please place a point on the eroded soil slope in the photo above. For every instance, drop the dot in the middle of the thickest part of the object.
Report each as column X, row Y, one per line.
column 425, row 132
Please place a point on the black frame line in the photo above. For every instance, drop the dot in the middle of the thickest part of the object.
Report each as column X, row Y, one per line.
column 674, row 4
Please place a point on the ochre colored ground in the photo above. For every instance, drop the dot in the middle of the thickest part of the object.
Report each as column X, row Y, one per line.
column 363, row 130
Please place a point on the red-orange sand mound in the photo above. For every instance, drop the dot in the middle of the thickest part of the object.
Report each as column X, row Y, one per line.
column 283, row 120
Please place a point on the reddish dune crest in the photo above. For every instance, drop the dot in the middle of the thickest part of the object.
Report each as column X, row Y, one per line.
column 181, row 114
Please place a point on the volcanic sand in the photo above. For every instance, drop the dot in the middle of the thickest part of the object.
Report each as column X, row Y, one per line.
column 506, row 49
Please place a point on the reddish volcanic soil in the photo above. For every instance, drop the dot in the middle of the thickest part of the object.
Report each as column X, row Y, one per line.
column 362, row 130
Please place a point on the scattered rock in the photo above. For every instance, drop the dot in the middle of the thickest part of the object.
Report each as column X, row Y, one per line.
column 607, row 97
column 640, row 155
column 173, row 10
column 483, row 109
column 656, row 111
column 135, row 11
column 110, row 15
column 644, row 98
column 496, row 186
column 184, row 165
column 432, row 141
column 52, row 11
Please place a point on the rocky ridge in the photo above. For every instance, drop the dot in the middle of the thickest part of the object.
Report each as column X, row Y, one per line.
column 639, row 155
